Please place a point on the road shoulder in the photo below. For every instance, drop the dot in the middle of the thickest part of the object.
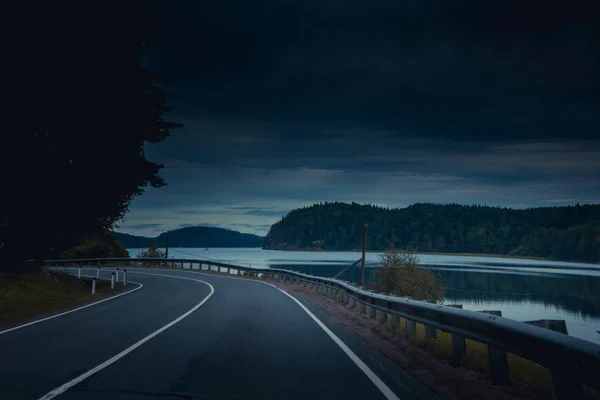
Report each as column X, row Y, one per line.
column 395, row 358
column 33, row 298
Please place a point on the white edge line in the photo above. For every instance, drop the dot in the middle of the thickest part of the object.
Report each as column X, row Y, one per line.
column 383, row 388
column 73, row 310
column 63, row 388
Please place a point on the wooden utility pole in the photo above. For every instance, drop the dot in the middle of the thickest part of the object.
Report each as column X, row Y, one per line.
column 167, row 244
column 362, row 262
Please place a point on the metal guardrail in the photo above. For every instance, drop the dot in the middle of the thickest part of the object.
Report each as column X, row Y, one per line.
column 572, row 361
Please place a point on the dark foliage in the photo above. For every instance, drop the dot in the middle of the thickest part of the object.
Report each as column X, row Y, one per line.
column 565, row 233
column 99, row 246
column 84, row 106
column 152, row 252
column 399, row 274
column 194, row 236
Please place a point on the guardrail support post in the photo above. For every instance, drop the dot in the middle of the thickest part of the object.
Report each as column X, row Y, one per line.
column 567, row 386
column 124, row 277
column 497, row 358
column 98, row 273
column 363, row 308
column 430, row 333
column 117, row 275
column 411, row 327
column 382, row 316
column 395, row 321
column 498, row 365
column 93, row 287
column 112, row 281
column 79, row 273
column 372, row 311
column 459, row 347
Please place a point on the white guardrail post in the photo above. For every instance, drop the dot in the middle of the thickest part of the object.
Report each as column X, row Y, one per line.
column 112, row 281
column 93, row 287
column 124, row 277
column 117, row 275
column 98, row 272
column 79, row 273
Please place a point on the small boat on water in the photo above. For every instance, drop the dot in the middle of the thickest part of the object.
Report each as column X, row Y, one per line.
column 206, row 249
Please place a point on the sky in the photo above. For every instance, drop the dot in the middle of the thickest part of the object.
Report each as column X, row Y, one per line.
column 288, row 103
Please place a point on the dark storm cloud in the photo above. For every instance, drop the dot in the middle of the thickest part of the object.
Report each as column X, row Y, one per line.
column 249, row 208
column 208, row 224
column 391, row 102
column 266, row 213
column 151, row 226
column 455, row 69
column 253, row 226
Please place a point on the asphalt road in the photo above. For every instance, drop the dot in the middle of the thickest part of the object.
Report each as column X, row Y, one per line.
column 223, row 338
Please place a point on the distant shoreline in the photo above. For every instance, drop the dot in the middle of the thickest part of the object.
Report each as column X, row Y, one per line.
column 444, row 254
column 427, row 253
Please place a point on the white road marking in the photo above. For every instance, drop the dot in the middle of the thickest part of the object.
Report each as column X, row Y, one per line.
column 63, row 388
column 37, row 321
column 383, row 388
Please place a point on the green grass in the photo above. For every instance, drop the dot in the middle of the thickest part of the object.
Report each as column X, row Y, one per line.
column 477, row 357
column 29, row 295
column 529, row 373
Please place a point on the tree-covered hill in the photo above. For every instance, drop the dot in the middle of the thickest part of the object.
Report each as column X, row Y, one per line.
column 565, row 233
column 194, row 236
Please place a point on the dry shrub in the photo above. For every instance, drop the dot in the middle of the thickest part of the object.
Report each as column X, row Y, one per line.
column 399, row 275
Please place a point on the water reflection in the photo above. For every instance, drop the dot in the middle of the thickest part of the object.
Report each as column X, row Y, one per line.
column 575, row 295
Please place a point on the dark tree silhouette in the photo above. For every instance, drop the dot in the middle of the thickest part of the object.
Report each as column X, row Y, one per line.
column 565, row 233
column 85, row 106
column 194, row 236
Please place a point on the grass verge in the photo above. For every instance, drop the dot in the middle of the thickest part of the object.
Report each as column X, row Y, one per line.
column 25, row 296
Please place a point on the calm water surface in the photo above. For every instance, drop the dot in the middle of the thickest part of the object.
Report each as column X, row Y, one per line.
column 523, row 290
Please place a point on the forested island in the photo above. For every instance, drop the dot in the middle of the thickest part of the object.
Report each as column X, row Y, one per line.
column 194, row 236
column 563, row 233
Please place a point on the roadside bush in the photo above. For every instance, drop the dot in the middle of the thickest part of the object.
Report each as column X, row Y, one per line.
column 100, row 246
column 152, row 252
column 399, row 275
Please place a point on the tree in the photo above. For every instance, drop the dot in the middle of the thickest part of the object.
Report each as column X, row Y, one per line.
column 152, row 252
column 566, row 233
column 99, row 246
column 399, row 274
column 86, row 106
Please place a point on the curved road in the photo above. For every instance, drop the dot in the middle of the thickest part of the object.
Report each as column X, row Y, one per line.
column 188, row 335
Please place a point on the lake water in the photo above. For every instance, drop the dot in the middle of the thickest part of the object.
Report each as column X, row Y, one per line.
column 523, row 290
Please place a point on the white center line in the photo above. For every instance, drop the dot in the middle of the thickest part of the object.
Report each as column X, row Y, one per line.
column 63, row 388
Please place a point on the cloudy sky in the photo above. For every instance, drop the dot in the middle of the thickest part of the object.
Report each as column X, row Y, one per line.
column 390, row 102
